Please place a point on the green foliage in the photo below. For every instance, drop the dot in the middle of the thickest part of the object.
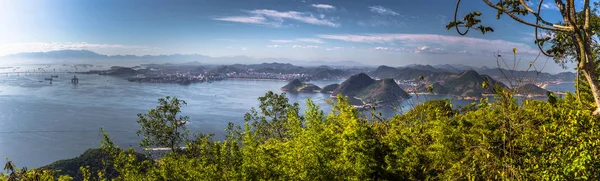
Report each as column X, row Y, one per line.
column 94, row 159
column 162, row 126
column 13, row 174
column 501, row 140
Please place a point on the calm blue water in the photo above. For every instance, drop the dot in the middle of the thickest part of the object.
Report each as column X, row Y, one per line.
column 41, row 122
column 564, row 87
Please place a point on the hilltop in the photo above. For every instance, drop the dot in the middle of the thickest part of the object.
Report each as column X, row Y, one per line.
column 382, row 92
column 353, row 85
column 370, row 91
column 468, row 84
column 329, row 88
column 531, row 90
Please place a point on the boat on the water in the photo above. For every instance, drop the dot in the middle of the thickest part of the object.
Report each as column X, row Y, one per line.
column 54, row 76
column 50, row 79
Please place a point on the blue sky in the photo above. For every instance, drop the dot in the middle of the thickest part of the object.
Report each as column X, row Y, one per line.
column 386, row 32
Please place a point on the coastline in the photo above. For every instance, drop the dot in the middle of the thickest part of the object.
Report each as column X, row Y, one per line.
column 255, row 79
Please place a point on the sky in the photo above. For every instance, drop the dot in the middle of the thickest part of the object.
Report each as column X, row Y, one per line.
column 374, row 32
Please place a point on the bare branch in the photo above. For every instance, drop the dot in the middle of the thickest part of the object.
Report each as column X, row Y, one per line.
column 572, row 14
column 561, row 7
column 586, row 8
column 455, row 14
column 539, row 43
column 514, row 17
column 536, row 14
column 529, row 68
column 526, row 7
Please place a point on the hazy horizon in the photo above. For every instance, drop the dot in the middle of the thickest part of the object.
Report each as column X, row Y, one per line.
column 58, row 57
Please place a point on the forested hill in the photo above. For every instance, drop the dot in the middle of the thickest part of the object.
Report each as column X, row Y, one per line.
column 441, row 72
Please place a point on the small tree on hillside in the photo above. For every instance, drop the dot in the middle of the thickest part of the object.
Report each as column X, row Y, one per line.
column 574, row 38
column 162, row 126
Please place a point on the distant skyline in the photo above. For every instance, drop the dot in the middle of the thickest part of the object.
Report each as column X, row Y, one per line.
column 375, row 32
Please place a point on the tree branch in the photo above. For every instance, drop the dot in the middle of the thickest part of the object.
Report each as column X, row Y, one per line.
column 572, row 14
column 455, row 16
column 538, row 43
column 586, row 8
column 561, row 7
column 527, row 7
column 536, row 14
column 514, row 17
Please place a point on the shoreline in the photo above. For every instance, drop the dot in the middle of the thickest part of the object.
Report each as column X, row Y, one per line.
column 255, row 79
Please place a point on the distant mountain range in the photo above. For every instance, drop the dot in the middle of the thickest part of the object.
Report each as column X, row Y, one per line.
column 86, row 56
column 438, row 73
column 432, row 72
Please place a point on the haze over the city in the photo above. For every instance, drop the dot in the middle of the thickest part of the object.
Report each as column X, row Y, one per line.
column 394, row 33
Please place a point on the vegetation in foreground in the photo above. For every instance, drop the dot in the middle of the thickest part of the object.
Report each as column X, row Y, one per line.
column 539, row 140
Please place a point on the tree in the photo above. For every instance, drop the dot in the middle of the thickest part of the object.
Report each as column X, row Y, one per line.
column 162, row 126
column 272, row 120
column 574, row 38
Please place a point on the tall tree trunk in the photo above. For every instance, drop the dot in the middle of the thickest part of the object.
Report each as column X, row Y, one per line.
column 589, row 72
column 594, row 87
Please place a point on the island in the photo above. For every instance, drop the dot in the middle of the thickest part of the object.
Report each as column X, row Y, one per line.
column 297, row 86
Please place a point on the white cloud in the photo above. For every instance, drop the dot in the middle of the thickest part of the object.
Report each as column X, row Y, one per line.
column 548, row 5
column 423, row 48
column 383, row 11
column 335, row 48
column 551, row 6
column 274, row 46
column 305, row 46
column 305, row 40
column 108, row 49
column 323, row 6
column 244, row 19
column 456, row 43
column 299, row 16
column 310, row 40
column 389, row 49
column 275, row 18
column 243, row 48
column 282, row 41
column 384, row 17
